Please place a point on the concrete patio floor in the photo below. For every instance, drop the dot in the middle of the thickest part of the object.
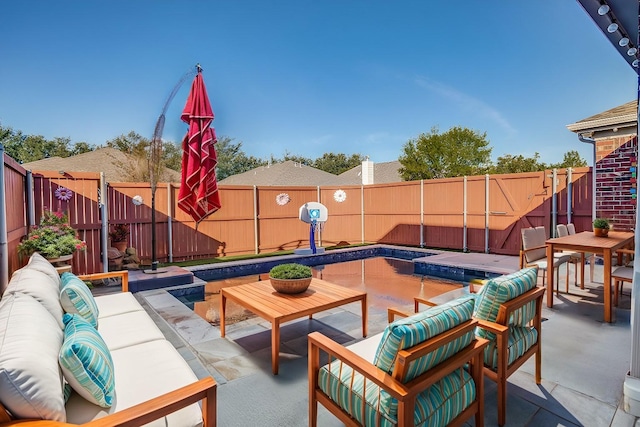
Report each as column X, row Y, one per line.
column 583, row 365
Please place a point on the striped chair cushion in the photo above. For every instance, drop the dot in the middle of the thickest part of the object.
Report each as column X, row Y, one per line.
column 76, row 297
column 86, row 362
column 411, row 331
column 502, row 289
column 520, row 340
column 437, row 405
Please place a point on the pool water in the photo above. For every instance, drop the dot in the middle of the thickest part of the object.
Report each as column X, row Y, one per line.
column 389, row 282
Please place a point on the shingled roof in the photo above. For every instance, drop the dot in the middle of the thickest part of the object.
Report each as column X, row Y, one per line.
column 109, row 160
column 286, row 173
column 621, row 116
column 382, row 173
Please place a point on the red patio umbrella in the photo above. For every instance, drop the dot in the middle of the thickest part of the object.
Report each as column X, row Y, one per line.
column 198, row 194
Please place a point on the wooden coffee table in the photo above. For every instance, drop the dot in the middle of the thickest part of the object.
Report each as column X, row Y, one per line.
column 261, row 299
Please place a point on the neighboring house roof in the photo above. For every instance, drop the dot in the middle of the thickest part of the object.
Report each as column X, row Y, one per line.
column 621, row 116
column 382, row 173
column 288, row 173
column 114, row 163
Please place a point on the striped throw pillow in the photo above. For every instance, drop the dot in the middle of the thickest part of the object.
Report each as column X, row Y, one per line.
column 500, row 290
column 76, row 297
column 86, row 362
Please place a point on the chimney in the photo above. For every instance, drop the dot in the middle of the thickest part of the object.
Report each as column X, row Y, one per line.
column 367, row 172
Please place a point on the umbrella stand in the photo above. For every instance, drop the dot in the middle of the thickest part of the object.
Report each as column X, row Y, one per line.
column 155, row 156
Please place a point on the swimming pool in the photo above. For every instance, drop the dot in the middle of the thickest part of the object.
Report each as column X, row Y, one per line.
column 388, row 282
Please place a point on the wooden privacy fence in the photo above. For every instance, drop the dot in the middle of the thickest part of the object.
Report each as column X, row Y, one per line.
column 478, row 214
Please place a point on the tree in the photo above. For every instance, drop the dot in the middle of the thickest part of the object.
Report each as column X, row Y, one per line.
column 232, row 160
column 571, row 159
column 457, row 152
column 517, row 164
column 337, row 163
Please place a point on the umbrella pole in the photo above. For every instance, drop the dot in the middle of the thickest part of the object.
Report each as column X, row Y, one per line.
column 154, row 258
column 154, row 160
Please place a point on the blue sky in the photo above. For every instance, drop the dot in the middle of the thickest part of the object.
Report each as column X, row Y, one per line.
column 310, row 77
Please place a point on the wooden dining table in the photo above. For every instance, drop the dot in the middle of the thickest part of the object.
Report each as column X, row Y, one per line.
column 588, row 242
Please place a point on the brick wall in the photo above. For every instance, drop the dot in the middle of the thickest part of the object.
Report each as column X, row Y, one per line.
column 615, row 181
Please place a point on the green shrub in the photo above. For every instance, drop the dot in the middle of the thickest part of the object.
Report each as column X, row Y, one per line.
column 290, row 271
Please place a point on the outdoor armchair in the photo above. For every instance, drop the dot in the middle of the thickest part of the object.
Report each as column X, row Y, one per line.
column 422, row 370
column 509, row 314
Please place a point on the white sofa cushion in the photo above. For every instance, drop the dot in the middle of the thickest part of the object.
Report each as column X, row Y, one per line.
column 76, row 297
column 40, row 286
column 86, row 361
column 367, row 348
column 31, row 383
column 143, row 371
column 128, row 329
column 41, row 264
column 114, row 304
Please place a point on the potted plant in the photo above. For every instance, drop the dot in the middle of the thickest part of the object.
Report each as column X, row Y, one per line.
column 601, row 227
column 53, row 238
column 119, row 234
column 290, row 278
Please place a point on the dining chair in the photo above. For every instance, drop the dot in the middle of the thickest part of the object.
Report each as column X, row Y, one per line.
column 571, row 228
column 622, row 274
column 575, row 257
column 534, row 252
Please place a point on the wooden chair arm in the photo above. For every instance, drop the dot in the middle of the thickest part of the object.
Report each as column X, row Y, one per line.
column 153, row 409
column 392, row 312
column 420, row 300
column 124, row 277
column 496, row 328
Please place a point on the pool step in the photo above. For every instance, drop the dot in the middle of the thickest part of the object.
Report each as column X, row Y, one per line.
column 144, row 280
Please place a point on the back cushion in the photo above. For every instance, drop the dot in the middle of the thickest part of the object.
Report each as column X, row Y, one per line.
column 501, row 289
column 31, row 383
column 413, row 330
column 39, row 263
column 40, row 286
column 531, row 239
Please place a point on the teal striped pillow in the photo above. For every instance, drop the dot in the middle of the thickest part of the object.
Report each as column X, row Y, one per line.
column 413, row 330
column 502, row 289
column 86, row 362
column 76, row 297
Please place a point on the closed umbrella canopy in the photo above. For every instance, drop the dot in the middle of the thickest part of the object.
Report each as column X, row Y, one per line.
column 198, row 194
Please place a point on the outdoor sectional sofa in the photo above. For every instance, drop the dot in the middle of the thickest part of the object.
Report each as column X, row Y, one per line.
column 55, row 365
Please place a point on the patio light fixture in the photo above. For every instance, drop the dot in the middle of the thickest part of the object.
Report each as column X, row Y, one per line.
column 615, row 29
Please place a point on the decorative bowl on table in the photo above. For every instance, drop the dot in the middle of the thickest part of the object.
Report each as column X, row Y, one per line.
column 290, row 278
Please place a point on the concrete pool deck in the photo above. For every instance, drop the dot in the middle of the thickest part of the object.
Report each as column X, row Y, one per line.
column 584, row 359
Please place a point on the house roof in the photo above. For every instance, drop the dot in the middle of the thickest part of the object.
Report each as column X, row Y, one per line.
column 621, row 116
column 382, row 173
column 114, row 163
column 286, row 173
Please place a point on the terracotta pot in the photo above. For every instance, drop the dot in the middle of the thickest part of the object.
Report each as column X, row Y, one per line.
column 601, row 232
column 121, row 246
column 290, row 286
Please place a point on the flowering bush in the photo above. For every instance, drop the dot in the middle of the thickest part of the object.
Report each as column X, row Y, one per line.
column 119, row 233
column 53, row 238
